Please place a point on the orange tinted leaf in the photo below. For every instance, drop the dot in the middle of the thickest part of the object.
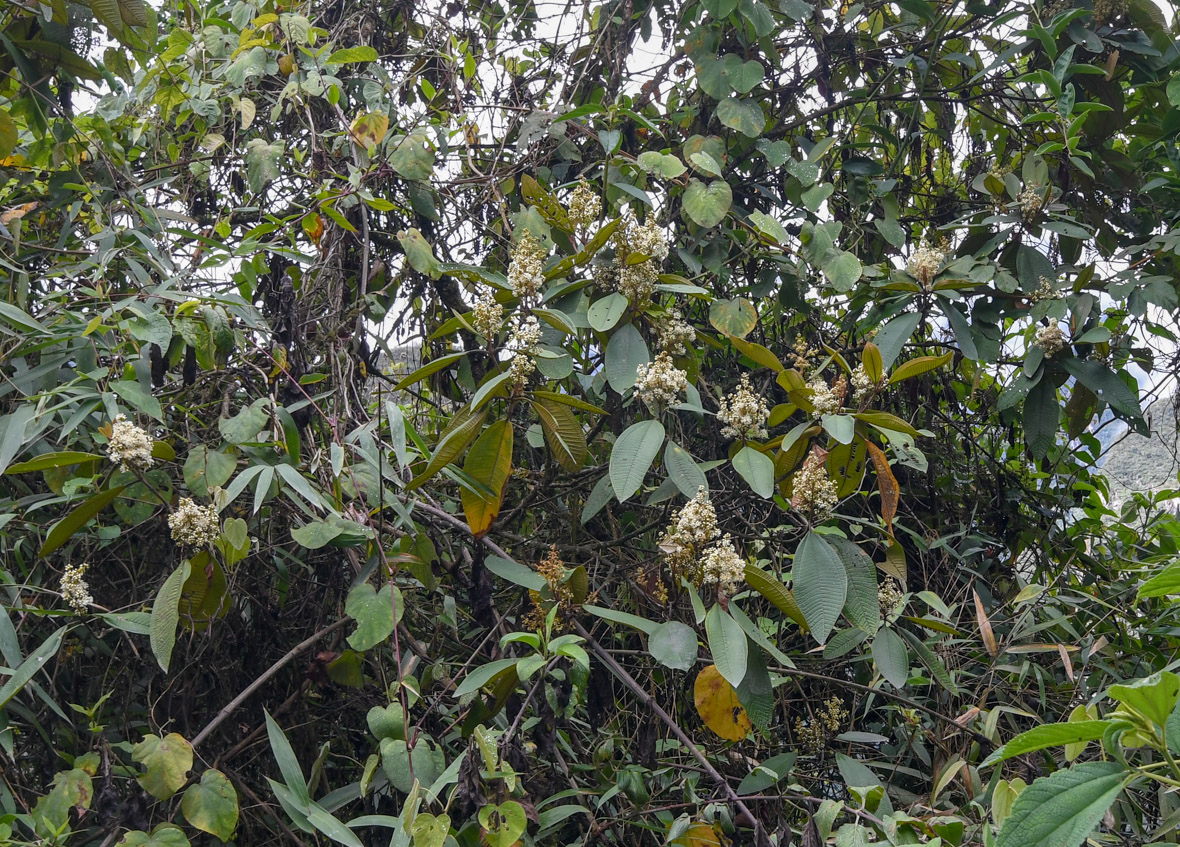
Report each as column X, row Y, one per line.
column 886, row 484
column 700, row 834
column 369, row 129
column 985, row 625
column 717, row 704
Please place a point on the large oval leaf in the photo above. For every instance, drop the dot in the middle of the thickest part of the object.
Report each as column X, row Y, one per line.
column 632, row 456
column 1061, row 810
column 820, row 585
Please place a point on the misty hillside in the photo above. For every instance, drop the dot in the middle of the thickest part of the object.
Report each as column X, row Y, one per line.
column 1140, row 463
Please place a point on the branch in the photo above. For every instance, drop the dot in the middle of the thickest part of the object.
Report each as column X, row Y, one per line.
column 233, row 704
column 649, row 701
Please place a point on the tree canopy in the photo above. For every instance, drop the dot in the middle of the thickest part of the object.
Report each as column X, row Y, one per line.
column 628, row 423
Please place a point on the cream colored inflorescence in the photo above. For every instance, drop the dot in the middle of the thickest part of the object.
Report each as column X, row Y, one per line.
column 193, row 525
column 637, row 282
column 74, row 589
column 129, row 446
column 825, row 400
column 660, row 383
column 526, row 335
column 1051, row 339
column 1031, row 201
column 585, row 206
column 526, row 269
column 814, row 491
column 673, row 333
column 925, row 263
column 862, row 383
column 693, row 547
column 487, row 317
column 722, row 566
column 743, row 412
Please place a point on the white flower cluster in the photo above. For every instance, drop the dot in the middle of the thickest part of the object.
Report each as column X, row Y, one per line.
column 637, row 282
column 585, row 206
column 696, row 523
column 721, row 565
column 925, row 263
column 814, row 491
column 660, row 383
column 889, row 596
column 862, row 383
column 526, row 335
column 673, row 333
column 1031, row 201
column 74, row 589
column 1045, row 290
column 526, row 269
column 686, row 546
column 823, row 398
column 743, row 412
column 194, row 525
column 487, row 318
column 129, row 446
column 1051, row 339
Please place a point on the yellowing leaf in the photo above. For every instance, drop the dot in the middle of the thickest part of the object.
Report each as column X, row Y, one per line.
column 717, row 704
column 700, row 834
column 985, row 625
column 489, row 462
column 369, row 129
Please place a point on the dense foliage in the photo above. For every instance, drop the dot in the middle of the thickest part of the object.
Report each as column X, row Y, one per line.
column 634, row 423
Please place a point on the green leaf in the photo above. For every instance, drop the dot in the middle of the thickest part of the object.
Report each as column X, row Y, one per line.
column 138, row 397
column 455, row 438
column 683, row 470
column 756, row 352
column 288, row 764
column 164, row 835
column 503, row 824
column 891, row 338
column 626, row 619
column 166, row 614
column 820, row 584
column 419, row 253
column 660, row 164
column 1162, row 584
column 1049, row 735
column 247, row 423
column 1154, row 697
column 632, row 455
column 412, row 157
column 374, row 613
column 707, row 205
column 35, row 661
column 673, row 645
column 861, row 606
column 515, row 573
column 605, row 312
column 1061, row 810
column 262, row 162
column 756, row 693
column 47, row 461
column 728, row 644
column 1042, row 413
column 8, row 134
column 211, row 805
column 349, row 55
column 843, row 270
column 596, row 500
column 563, row 434
column 426, row 370
column 773, row 590
column 625, row 352
column 166, row 761
column 205, row 469
column 745, row 116
column 735, row 318
column 325, row 822
column 918, row 366
column 891, row 657
column 1106, row 385
column 757, row 469
column 482, row 675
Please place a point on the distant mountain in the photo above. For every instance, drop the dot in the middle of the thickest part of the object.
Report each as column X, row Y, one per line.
column 1145, row 463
